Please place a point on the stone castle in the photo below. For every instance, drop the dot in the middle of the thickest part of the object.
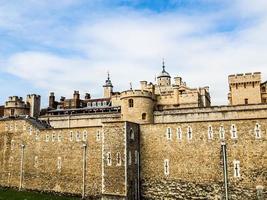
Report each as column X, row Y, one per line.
column 163, row 141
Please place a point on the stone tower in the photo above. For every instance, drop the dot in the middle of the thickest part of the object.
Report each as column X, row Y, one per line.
column 137, row 106
column 108, row 88
column 164, row 78
column 34, row 102
column 244, row 88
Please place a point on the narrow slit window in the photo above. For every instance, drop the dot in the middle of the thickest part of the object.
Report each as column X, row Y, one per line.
column 257, row 131
column 59, row 164
column 109, row 159
column 78, row 137
column 169, row 133
column 179, row 133
column 98, row 136
column 236, row 168
column 210, row 132
column 222, row 132
column 233, row 131
column 132, row 134
column 71, row 136
column 84, row 135
column 129, row 158
column 136, row 157
column 189, row 133
column 166, row 167
column 118, row 159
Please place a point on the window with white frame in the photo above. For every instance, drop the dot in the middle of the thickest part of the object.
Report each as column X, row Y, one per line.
column 222, row 132
column 11, row 127
column 59, row 163
column 236, row 168
column 118, row 159
column 47, row 138
column 98, row 136
column 30, row 130
column 53, row 136
column 89, row 104
column 71, row 136
column 59, row 137
column 136, row 157
column 129, row 158
column 109, row 161
column 189, row 133
column 24, row 126
column 257, row 131
column 36, row 161
column 84, row 135
column 78, row 137
column 179, row 133
column 37, row 137
column 132, row 134
column 233, row 131
column 166, row 167
column 210, row 132
column 12, row 145
column 169, row 133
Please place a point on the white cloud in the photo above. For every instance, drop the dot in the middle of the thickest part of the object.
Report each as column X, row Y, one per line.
column 130, row 44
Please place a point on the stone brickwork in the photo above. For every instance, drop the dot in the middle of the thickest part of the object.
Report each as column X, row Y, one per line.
column 195, row 165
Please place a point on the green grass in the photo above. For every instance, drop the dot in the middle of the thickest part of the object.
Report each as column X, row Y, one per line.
column 12, row 194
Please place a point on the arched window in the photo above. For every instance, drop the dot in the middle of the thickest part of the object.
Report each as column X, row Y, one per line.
column 131, row 103
column 144, row 116
column 131, row 134
column 118, row 159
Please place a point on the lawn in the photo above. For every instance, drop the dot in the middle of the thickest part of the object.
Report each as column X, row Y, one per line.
column 12, row 194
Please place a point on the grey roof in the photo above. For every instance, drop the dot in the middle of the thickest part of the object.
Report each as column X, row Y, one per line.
column 164, row 73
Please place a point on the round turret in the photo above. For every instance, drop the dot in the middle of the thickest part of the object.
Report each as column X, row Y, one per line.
column 164, row 77
column 137, row 106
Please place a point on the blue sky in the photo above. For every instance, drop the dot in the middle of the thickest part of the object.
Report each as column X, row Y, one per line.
column 68, row 45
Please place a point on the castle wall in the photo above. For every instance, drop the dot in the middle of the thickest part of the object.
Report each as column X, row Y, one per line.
column 195, row 165
column 53, row 159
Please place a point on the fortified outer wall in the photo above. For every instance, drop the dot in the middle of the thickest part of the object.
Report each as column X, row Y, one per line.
column 52, row 160
column 195, row 168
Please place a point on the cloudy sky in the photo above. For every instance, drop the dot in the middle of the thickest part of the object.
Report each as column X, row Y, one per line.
column 66, row 45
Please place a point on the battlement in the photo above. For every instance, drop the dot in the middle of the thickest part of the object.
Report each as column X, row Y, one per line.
column 244, row 78
column 30, row 96
column 136, row 93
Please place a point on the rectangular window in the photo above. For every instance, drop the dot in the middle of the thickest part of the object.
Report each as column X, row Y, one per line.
column 71, row 136
column 233, row 131
column 257, row 131
column 136, row 157
column 129, row 158
column 53, row 136
column 118, row 159
column 59, row 164
column 59, row 137
column 246, row 101
column 210, row 132
column 47, row 138
column 78, row 136
column 166, row 167
column 222, row 132
column 169, row 133
column 189, row 133
column 85, row 136
column 236, row 168
column 179, row 133
column 109, row 159
column 98, row 136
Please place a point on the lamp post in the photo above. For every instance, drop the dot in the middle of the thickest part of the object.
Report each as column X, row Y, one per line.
column 84, row 146
column 225, row 172
column 21, row 166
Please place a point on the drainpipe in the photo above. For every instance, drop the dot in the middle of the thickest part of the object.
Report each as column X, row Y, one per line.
column 84, row 169
column 21, row 166
column 225, row 172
